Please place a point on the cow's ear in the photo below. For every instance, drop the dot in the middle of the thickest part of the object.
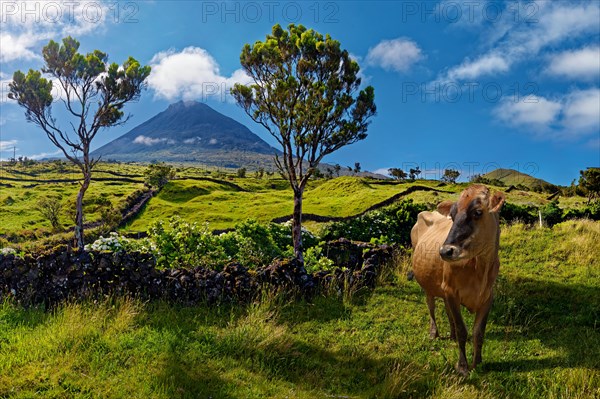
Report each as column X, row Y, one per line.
column 496, row 201
column 444, row 207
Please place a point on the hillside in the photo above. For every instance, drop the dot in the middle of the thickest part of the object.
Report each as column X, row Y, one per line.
column 511, row 177
column 190, row 132
column 204, row 195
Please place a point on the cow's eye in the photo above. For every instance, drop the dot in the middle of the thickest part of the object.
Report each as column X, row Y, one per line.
column 477, row 213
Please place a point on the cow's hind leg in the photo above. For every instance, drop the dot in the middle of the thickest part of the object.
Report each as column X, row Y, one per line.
column 479, row 330
column 461, row 333
column 433, row 330
column 452, row 329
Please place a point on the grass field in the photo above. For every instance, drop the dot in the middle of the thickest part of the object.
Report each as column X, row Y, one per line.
column 200, row 197
column 543, row 339
column 26, row 186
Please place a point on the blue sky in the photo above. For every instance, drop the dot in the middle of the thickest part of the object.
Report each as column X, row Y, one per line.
column 468, row 85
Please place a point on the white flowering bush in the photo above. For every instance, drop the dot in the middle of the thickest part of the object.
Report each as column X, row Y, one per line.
column 8, row 251
column 113, row 243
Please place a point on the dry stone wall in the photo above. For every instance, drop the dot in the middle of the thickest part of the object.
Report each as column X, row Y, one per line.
column 60, row 275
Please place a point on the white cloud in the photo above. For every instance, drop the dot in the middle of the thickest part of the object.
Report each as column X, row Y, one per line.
column 193, row 140
column 583, row 63
column 213, row 141
column 17, row 47
column 4, row 81
column 43, row 155
column 488, row 64
column 382, row 171
column 573, row 115
column 582, row 111
column 190, row 74
column 141, row 139
column 28, row 25
column 6, row 145
column 523, row 34
column 395, row 55
column 532, row 111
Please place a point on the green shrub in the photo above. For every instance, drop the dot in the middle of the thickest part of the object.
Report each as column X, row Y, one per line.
column 393, row 222
column 511, row 213
column 251, row 244
column 591, row 211
column 551, row 213
column 314, row 260
column 183, row 244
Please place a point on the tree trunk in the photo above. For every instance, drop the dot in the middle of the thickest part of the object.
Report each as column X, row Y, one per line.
column 297, row 224
column 79, row 242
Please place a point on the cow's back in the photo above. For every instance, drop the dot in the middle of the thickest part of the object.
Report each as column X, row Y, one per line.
column 427, row 236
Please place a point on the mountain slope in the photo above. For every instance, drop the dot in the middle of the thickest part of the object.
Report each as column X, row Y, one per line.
column 190, row 132
column 511, row 177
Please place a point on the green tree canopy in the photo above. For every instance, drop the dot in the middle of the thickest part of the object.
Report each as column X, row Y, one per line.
column 93, row 92
column 158, row 174
column 305, row 92
column 589, row 180
column 450, row 175
column 397, row 173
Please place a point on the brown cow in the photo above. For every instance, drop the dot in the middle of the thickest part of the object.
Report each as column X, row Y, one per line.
column 456, row 258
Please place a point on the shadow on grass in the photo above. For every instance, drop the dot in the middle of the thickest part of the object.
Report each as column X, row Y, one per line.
column 564, row 317
column 12, row 316
column 210, row 346
column 180, row 379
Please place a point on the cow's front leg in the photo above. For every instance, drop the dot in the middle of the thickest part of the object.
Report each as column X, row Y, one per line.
column 479, row 330
column 452, row 329
column 461, row 333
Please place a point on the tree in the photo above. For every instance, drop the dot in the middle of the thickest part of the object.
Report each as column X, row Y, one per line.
column 93, row 93
column 397, row 173
column 357, row 167
column 450, row 175
column 337, row 168
column 413, row 173
column 329, row 173
column 589, row 180
column 241, row 172
column 50, row 208
column 305, row 93
column 158, row 174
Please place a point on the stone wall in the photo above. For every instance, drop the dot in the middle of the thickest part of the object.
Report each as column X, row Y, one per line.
column 59, row 275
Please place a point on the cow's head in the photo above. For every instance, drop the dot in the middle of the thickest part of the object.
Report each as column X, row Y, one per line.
column 475, row 223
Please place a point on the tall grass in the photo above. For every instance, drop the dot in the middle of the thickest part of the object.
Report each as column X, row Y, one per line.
column 543, row 338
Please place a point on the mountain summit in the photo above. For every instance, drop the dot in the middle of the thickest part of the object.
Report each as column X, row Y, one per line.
column 189, row 131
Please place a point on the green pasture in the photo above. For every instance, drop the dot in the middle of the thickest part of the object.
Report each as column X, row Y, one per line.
column 542, row 341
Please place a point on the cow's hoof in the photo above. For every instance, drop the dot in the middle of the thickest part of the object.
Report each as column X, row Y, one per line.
column 463, row 370
column 433, row 334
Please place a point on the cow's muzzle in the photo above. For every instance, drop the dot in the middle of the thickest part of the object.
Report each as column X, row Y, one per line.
column 450, row 253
